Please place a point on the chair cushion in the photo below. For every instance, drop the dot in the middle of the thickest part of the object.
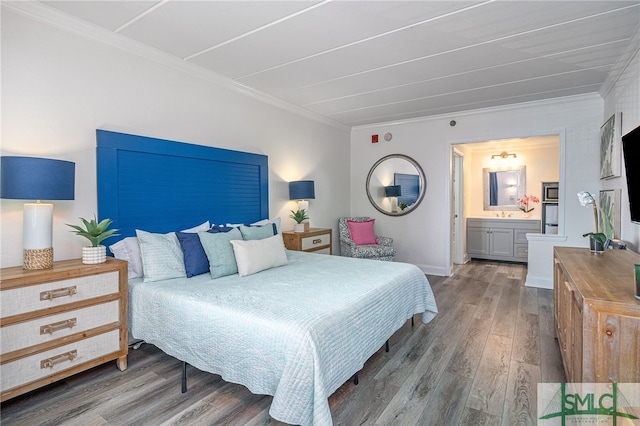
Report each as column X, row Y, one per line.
column 362, row 232
column 373, row 251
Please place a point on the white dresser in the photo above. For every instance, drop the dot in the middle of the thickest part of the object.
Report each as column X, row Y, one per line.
column 60, row 321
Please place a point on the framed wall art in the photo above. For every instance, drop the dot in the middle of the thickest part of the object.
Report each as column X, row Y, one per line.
column 609, row 217
column 610, row 147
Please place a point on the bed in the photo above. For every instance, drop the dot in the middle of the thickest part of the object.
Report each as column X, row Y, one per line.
column 296, row 331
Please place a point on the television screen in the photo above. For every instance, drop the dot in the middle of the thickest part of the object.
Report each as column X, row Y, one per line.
column 631, row 152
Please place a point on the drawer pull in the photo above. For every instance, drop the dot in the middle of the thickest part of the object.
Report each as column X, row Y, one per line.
column 54, row 360
column 60, row 292
column 317, row 241
column 57, row 326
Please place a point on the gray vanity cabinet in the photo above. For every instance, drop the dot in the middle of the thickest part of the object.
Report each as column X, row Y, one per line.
column 500, row 239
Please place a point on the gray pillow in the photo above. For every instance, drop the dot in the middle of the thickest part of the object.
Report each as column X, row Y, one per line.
column 162, row 257
column 222, row 261
column 258, row 232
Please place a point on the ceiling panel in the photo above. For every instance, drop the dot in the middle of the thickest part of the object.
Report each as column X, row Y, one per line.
column 184, row 28
column 466, row 64
column 510, row 77
column 106, row 14
column 359, row 62
column 361, row 117
column 331, row 26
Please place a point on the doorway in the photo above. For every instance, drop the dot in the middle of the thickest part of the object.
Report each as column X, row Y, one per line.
column 457, row 231
column 540, row 154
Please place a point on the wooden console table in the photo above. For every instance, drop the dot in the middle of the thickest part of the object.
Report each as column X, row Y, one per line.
column 596, row 315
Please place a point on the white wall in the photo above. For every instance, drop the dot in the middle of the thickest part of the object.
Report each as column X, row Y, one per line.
column 423, row 236
column 625, row 98
column 58, row 87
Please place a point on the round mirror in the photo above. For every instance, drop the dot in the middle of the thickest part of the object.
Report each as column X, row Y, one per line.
column 396, row 185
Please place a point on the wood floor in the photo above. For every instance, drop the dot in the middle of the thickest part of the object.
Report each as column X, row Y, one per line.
column 477, row 363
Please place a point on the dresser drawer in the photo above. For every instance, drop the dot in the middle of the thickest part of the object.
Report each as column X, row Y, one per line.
column 38, row 366
column 316, row 241
column 31, row 298
column 45, row 329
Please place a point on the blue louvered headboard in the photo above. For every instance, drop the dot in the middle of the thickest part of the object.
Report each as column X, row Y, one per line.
column 163, row 186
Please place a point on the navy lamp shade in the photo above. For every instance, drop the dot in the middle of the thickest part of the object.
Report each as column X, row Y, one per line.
column 393, row 191
column 31, row 178
column 302, row 190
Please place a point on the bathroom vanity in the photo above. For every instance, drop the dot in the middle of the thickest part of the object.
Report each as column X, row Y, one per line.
column 500, row 239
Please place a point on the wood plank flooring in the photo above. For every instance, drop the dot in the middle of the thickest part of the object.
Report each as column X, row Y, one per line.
column 477, row 363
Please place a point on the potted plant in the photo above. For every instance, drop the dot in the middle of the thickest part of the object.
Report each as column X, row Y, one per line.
column 525, row 202
column 299, row 216
column 597, row 240
column 95, row 232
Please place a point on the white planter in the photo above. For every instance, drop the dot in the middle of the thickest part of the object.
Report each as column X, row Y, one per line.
column 94, row 255
column 298, row 227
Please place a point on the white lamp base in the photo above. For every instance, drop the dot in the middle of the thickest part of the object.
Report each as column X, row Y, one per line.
column 37, row 236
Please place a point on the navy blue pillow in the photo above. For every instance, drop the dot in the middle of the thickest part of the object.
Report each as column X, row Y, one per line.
column 195, row 259
column 219, row 228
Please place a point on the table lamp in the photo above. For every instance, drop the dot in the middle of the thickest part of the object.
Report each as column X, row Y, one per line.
column 302, row 190
column 393, row 192
column 31, row 178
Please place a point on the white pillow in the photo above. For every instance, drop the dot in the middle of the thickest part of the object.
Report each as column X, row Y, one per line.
column 162, row 257
column 202, row 227
column 129, row 249
column 257, row 255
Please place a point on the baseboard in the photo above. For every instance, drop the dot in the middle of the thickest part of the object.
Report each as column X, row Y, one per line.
column 539, row 282
column 433, row 270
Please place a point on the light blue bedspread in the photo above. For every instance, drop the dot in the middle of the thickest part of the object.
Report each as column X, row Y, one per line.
column 296, row 332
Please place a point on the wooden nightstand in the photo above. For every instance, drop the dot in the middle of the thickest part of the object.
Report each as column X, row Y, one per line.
column 316, row 240
column 60, row 321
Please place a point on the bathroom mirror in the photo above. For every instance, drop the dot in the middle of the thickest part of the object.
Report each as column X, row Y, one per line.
column 396, row 185
column 503, row 187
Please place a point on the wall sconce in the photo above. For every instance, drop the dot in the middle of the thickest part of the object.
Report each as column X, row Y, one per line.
column 504, row 155
column 393, row 192
column 302, row 190
column 30, row 178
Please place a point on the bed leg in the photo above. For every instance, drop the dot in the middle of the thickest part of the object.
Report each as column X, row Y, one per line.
column 386, row 346
column 184, row 377
column 355, row 379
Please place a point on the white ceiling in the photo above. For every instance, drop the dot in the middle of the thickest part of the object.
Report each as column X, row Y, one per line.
column 360, row 62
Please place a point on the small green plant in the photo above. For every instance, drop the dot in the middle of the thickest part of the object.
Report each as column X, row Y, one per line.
column 403, row 206
column 93, row 231
column 598, row 236
column 299, row 215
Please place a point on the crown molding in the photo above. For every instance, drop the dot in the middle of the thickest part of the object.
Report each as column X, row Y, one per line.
column 621, row 65
column 51, row 16
column 471, row 112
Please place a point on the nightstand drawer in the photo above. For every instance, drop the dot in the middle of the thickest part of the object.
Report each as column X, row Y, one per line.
column 316, row 241
column 42, row 296
column 45, row 329
column 43, row 364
